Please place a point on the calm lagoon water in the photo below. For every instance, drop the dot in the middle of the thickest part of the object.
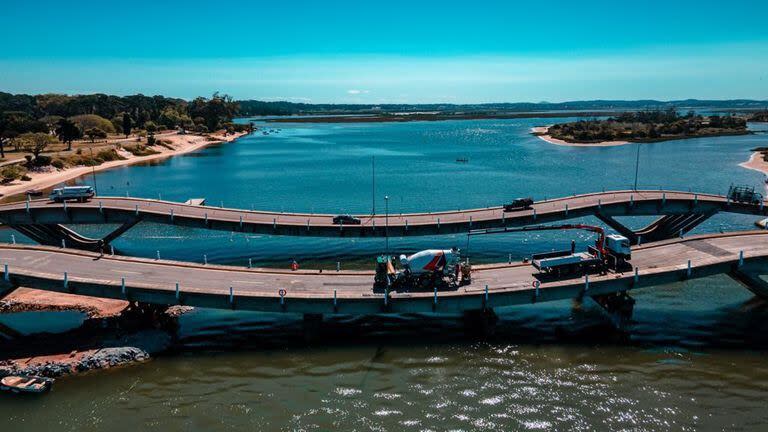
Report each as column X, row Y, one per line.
column 694, row 359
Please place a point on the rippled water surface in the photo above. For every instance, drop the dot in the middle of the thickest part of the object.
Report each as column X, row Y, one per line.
column 694, row 358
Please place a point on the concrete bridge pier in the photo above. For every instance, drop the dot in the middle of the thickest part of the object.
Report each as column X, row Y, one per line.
column 58, row 235
column 480, row 322
column 663, row 228
column 619, row 308
column 750, row 279
column 145, row 315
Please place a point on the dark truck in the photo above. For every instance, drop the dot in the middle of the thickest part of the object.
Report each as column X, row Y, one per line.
column 744, row 194
column 519, row 204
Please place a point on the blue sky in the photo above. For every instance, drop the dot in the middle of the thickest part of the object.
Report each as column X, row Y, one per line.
column 394, row 51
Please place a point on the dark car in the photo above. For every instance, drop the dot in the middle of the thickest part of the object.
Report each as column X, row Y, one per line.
column 346, row 220
column 519, row 204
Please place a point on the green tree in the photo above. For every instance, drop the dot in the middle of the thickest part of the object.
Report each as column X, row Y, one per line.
column 11, row 172
column 127, row 124
column 150, row 127
column 67, row 131
column 214, row 111
column 88, row 121
column 15, row 123
column 36, row 142
column 94, row 133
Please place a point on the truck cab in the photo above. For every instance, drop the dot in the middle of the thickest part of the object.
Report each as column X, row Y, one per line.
column 72, row 193
column 618, row 245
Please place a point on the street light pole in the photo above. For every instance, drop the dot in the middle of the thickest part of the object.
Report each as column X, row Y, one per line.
column 373, row 185
column 93, row 172
column 386, row 223
column 637, row 164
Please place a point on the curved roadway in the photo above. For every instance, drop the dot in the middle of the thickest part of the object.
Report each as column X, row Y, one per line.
column 120, row 210
column 154, row 281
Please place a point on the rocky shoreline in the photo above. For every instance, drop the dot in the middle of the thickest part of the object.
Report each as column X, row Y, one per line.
column 104, row 340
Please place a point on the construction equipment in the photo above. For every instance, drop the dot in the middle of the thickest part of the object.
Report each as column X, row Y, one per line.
column 428, row 269
column 610, row 252
column 744, row 194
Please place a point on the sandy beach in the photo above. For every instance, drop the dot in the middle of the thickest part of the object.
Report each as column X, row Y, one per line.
column 756, row 163
column 181, row 144
column 541, row 132
column 27, row 299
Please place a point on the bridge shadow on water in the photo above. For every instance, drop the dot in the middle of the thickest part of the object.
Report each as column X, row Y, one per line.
column 743, row 326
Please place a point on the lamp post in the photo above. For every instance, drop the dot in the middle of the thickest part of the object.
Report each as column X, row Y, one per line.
column 373, row 185
column 93, row 172
column 637, row 164
column 386, row 223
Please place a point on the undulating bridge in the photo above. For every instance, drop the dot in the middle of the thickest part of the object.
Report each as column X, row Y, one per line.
column 743, row 255
column 678, row 213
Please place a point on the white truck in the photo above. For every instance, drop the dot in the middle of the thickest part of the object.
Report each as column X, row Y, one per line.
column 426, row 269
column 72, row 193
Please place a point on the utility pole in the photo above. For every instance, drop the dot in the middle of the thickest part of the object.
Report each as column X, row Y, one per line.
column 373, row 185
column 93, row 172
column 637, row 164
column 386, row 223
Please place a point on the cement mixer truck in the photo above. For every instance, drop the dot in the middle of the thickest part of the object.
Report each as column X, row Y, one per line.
column 425, row 270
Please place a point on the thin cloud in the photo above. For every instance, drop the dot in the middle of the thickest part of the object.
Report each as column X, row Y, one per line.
column 357, row 92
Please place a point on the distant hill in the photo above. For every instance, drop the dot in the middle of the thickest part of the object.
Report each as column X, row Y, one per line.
column 107, row 106
column 259, row 108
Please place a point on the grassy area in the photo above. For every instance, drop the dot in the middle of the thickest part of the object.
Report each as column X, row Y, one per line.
column 60, row 149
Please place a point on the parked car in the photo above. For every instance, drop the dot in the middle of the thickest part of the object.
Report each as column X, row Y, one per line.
column 76, row 193
column 519, row 204
column 346, row 220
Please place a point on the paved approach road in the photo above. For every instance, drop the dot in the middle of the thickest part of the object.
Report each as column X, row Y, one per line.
column 312, row 291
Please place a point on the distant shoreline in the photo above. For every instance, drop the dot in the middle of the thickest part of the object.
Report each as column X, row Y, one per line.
column 182, row 144
column 541, row 132
column 433, row 117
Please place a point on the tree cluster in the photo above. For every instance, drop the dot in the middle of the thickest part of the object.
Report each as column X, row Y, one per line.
column 97, row 115
column 647, row 125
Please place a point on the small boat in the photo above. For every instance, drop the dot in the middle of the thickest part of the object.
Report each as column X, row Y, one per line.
column 462, row 160
column 26, row 384
column 34, row 192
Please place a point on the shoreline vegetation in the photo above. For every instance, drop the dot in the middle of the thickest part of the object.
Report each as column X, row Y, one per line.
column 642, row 127
column 127, row 152
column 760, row 117
column 50, row 138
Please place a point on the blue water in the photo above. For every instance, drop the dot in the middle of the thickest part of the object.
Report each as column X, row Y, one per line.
column 328, row 168
column 694, row 358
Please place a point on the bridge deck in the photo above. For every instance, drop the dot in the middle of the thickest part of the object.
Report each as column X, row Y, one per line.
column 311, row 291
column 118, row 210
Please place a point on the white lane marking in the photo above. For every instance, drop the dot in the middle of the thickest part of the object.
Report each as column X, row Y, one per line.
column 248, row 282
column 125, row 271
